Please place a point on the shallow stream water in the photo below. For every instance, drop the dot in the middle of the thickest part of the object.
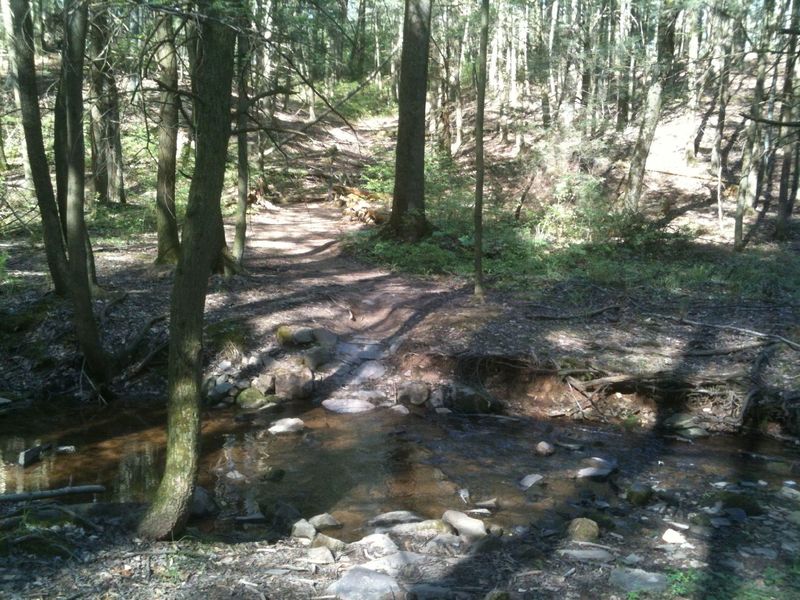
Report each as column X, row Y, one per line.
column 357, row 466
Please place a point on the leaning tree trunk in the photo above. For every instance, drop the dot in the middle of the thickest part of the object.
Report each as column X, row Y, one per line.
column 166, row 219
column 10, row 43
column 407, row 220
column 211, row 86
column 25, row 69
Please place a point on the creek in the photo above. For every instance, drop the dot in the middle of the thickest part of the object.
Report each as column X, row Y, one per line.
column 357, row 466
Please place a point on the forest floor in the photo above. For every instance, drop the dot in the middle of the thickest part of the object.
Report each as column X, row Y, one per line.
column 568, row 349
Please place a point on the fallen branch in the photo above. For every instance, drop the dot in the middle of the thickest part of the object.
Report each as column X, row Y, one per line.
column 772, row 336
column 55, row 493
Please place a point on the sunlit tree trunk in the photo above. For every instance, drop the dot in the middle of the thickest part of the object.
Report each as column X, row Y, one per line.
column 408, row 220
column 166, row 218
column 479, row 167
column 5, row 8
column 25, row 71
column 211, row 85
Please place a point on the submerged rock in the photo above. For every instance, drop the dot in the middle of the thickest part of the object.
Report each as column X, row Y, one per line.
column 372, row 369
column 203, row 504
column 465, row 399
column 290, row 425
column 530, row 480
column 394, row 517
column 639, row 494
column 545, row 448
column 413, row 392
column 347, row 405
column 316, row 357
column 325, row 338
column 421, row 528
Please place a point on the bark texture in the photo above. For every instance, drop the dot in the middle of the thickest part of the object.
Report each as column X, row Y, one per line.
column 211, row 85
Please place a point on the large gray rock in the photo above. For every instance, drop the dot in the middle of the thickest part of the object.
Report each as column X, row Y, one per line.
column 264, row 383
column 377, row 544
column 466, row 526
column 290, row 425
column 421, row 528
column 360, row 583
column 324, row 337
column 413, row 392
column 325, row 522
column 303, row 529
column 251, row 398
column 394, row 517
column 303, row 335
column 637, row 580
column 369, row 371
column 294, row 384
column 465, row 399
column 332, row 544
column 397, row 563
column 317, row 356
column 680, row 421
column 347, row 405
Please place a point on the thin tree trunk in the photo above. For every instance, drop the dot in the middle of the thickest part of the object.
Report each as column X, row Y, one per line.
column 25, row 71
column 479, row 167
column 6, row 9
column 211, row 85
column 166, row 219
column 243, row 59
column 98, row 362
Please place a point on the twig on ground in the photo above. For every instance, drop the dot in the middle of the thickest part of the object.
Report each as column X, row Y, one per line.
column 54, row 493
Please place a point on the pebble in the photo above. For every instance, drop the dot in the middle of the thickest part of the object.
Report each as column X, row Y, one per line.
column 545, row 448
column 530, row 480
column 673, row 537
column 290, row 425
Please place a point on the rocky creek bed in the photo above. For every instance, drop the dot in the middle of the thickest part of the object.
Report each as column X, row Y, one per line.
column 397, row 488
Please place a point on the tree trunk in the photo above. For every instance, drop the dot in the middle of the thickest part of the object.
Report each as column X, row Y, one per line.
column 106, row 140
column 786, row 199
column 166, row 219
column 3, row 159
column 98, row 362
column 652, row 110
column 243, row 60
column 479, row 167
column 25, row 70
column 6, row 9
column 211, row 86
column 408, row 204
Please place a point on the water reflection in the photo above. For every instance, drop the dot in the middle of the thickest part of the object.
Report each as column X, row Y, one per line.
column 355, row 466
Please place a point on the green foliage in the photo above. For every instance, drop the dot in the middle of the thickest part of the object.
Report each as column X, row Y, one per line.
column 369, row 101
column 576, row 237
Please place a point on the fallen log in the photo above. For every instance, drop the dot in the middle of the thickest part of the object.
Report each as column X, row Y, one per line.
column 55, row 493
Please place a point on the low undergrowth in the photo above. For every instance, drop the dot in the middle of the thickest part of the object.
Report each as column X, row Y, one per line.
column 573, row 233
